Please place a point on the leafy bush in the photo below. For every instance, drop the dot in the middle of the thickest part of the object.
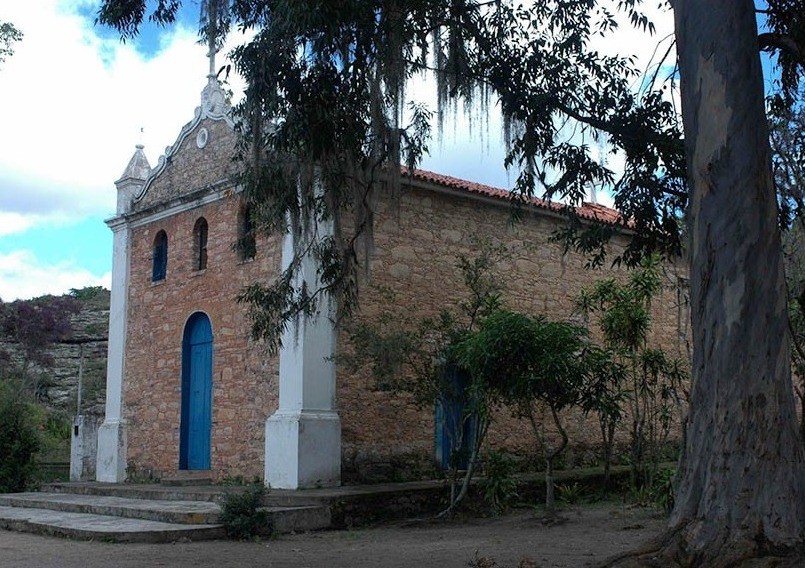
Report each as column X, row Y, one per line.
column 663, row 489
column 242, row 514
column 658, row 493
column 570, row 493
column 499, row 487
column 19, row 442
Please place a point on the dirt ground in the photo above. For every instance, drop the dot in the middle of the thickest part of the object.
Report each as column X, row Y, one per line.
column 589, row 534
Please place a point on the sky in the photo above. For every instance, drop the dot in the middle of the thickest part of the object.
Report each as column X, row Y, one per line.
column 74, row 102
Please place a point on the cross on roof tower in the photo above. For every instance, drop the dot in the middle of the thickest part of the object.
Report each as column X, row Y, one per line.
column 211, row 8
column 213, row 98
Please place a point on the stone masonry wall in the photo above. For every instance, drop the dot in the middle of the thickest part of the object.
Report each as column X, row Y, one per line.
column 190, row 168
column 414, row 274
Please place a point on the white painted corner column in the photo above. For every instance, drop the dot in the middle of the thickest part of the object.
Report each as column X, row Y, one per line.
column 112, row 440
column 303, row 437
column 110, row 465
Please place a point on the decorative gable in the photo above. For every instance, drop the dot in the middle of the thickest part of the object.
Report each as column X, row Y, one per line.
column 201, row 157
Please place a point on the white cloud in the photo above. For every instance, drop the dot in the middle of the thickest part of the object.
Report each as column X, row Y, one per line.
column 23, row 276
column 11, row 223
column 72, row 105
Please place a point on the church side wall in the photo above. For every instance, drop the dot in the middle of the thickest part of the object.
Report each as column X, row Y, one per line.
column 414, row 275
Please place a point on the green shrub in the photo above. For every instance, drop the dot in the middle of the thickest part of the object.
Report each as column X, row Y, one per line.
column 659, row 493
column 663, row 489
column 499, row 487
column 242, row 514
column 19, row 442
column 570, row 493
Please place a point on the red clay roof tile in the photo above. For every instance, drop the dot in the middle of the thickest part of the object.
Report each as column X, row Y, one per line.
column 591, row 211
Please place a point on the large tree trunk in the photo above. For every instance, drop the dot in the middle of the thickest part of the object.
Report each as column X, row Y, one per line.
column 741, row 488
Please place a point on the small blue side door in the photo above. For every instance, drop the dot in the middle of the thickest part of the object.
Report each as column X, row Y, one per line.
column 196, row 393
column 455, row 430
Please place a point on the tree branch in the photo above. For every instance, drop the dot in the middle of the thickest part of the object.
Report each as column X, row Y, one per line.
column 771, row 41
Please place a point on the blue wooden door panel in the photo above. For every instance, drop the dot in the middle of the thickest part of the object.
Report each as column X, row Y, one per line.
column 197, row 394
column 200, row 407
column 455, row 432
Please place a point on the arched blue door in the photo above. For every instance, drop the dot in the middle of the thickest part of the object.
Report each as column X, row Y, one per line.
column 194, row 450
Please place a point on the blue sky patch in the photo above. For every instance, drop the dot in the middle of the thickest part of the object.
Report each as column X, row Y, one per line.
column 87, row 244
column 149, row 39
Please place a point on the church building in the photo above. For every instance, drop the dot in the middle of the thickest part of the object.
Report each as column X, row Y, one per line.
column 188, row 390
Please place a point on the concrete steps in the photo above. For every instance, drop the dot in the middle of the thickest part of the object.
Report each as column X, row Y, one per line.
column 183, row 478
column 155, row 492
column 121, row 513
column 179, row 512
column 101, row 527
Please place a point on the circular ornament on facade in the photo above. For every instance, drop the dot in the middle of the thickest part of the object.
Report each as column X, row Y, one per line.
column 202, row 137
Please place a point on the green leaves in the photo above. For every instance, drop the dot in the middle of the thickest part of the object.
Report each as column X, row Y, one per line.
column 19, row 441
column 326, row 122
column 126, row 16
column 628, row 370
column 624, row 309
column 243, row 515
column 8, row 36
column 522, row 358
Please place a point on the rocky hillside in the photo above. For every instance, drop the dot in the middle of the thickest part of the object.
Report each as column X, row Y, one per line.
column 83, row 344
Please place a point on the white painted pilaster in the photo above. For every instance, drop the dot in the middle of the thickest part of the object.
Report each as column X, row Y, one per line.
column 303, row 438
column 112, row 440
column 112, row 434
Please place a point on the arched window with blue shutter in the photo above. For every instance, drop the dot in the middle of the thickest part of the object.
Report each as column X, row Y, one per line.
column 160, row 257
column 200, row 231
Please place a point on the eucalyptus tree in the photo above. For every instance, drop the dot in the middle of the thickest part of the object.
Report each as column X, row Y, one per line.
column 326, row 122
column 742, row 474
column 324, row 130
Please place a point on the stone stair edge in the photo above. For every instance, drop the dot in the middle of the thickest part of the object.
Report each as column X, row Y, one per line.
column 80, row 532
column 136, row 491
column 213, row 493
column 283, row 519
column 176, row 512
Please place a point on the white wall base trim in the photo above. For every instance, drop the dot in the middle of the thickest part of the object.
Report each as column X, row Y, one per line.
column 303, row 449
column 112, row 451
